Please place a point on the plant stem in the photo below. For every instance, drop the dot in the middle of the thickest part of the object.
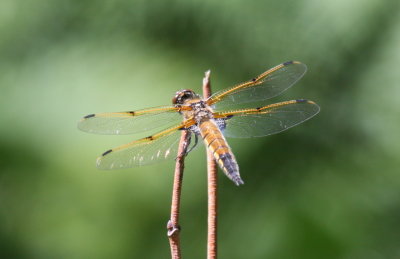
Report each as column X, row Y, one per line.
column 212, row 187
column 173, row 224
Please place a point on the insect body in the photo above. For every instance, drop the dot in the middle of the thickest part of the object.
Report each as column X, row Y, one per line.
column 210, row 130
column 212, row 119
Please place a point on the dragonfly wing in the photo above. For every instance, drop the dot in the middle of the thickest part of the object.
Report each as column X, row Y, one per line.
column 267, row 85
column 155, row 148
column 130, row 122
column 267, row 120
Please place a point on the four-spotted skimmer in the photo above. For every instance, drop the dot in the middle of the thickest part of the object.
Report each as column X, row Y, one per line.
column 212, row 119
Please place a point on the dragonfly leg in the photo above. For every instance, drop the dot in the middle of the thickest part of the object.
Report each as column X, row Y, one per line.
column 196, row 141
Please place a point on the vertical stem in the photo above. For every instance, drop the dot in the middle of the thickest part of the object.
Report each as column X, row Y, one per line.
column 212, row 188
column 212, row 207
column 173, row 224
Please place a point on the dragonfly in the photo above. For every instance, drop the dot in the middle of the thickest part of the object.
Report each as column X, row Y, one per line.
column 210, row 119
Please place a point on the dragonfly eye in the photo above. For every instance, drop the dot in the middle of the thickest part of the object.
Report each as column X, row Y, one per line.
column 182, row 96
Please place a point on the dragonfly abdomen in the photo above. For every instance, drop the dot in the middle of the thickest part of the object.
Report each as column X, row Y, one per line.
column 216, row 143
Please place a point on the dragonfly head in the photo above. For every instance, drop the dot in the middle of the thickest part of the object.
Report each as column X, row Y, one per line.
column 184, row 95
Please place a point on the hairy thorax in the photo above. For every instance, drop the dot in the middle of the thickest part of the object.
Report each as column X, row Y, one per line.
column 200, row 111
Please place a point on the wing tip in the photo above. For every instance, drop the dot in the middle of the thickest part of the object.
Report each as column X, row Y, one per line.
column 80, row 126
column 305, row 101
column 294, row 62
column 288, row 63
column 315, row 105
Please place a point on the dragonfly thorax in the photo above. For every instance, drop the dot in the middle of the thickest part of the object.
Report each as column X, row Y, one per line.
column 201, row 111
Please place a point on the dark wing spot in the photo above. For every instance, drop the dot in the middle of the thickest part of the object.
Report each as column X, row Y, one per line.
column 131, row 113
column 229, row 116
column 149, row 138
column 258, row 108
column 301, row 101
column 107, row 152
column 288, row 63
column 89, row 116
column 254, row 79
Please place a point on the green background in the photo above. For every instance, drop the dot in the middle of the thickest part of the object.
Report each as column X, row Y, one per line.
column 328, row 188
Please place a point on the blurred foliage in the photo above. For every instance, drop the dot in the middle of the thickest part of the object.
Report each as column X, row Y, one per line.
column 329, row 188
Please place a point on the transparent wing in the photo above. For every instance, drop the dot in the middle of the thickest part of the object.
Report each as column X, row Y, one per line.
column 130, row 122
column 267, row 120
column 267, row 85
column 156, row 148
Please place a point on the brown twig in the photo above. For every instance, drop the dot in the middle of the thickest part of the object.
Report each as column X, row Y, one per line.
column 173, row 223
column 212, row 187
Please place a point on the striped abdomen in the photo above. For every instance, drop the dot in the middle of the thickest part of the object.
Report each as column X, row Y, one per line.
column 216, row 143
